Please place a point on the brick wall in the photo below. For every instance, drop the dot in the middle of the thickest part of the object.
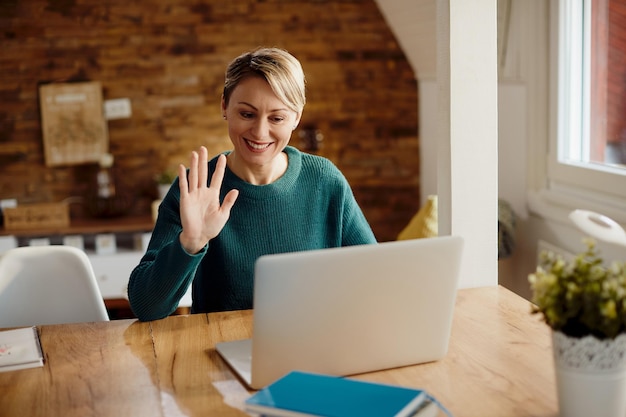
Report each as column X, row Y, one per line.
column 616, row 76
column 168, row 58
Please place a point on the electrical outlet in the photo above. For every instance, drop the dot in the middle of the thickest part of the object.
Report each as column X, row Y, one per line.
column 8, row 203
column 118, row 108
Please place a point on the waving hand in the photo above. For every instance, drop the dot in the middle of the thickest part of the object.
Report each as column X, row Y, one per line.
column 201, row 214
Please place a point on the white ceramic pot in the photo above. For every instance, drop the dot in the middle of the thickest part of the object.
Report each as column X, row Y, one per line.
column 590, row 375
column 163, row 189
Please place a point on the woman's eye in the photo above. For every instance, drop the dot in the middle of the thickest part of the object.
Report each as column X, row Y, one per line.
column 247, row 115
column 278, row 119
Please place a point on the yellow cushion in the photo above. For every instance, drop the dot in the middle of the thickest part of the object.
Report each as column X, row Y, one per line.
column 424, row 223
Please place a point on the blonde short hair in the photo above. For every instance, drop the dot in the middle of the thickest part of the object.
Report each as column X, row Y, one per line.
column 279, row 68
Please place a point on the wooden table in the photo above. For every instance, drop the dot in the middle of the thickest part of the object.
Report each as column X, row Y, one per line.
column 499, row 364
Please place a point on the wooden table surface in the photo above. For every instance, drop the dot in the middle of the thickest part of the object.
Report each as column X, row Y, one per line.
column 499, row 364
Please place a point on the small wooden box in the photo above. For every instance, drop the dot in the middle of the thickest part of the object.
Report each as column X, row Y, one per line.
column 36, row 216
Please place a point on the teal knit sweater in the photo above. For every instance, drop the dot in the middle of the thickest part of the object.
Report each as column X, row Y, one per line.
column 310, row 207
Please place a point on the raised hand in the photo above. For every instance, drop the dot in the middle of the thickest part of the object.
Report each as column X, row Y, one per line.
column 201, row 214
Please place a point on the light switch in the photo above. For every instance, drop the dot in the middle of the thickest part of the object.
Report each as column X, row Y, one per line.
column 118, row 108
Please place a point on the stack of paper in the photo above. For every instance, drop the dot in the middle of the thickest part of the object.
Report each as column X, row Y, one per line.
column 20, row 349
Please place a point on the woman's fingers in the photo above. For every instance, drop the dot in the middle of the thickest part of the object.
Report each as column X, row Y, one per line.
column 196, row 180
column 182, row 180
column 193, row 171
column 203, row 167
column 229, row 201
column 218, row 175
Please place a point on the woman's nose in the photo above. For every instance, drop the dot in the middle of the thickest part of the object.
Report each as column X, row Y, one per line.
column 260, row 129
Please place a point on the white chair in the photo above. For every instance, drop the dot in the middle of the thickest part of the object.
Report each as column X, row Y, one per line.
column 48, row 285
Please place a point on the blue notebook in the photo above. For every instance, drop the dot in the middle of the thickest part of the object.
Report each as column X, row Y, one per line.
column 306, row 394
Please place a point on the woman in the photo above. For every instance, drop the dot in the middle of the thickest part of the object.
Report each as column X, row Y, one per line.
column 260, row 198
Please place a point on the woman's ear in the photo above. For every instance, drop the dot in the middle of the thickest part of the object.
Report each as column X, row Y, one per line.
column 297, row 120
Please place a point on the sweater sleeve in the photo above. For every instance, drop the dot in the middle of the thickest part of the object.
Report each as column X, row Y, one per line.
column 166, row 270
column 349, row 221
column 356, row 229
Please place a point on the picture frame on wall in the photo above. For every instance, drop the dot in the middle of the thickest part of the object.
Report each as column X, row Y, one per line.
column 73, row 123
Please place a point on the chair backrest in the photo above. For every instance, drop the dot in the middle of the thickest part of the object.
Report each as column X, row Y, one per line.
column 48, row 285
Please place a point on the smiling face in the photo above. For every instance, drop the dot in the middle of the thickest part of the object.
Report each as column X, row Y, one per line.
column 260, row 127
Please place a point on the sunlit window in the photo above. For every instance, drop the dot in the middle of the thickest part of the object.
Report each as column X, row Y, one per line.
column 589, row 150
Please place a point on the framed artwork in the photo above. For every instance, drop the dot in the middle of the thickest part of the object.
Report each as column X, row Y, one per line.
column 73, row 124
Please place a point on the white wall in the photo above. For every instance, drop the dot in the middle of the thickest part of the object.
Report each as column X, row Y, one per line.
column 523, row 120
column 461, row 155
column 414, row 22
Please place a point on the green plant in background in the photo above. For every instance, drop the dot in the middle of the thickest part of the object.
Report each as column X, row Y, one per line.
column 166, row 177
column 580, row 297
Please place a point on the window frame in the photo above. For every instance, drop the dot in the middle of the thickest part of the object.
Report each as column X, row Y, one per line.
column 575, row 184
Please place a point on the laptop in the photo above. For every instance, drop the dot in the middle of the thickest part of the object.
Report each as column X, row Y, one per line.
column 349, row 310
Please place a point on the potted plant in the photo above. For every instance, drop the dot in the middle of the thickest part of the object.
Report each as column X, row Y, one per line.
column 584, row 303
column 164, row 180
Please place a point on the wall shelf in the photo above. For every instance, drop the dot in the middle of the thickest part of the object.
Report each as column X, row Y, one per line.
column 126, row 224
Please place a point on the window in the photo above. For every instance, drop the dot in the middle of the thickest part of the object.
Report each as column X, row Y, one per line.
column 608, row 82
column 587, row 158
